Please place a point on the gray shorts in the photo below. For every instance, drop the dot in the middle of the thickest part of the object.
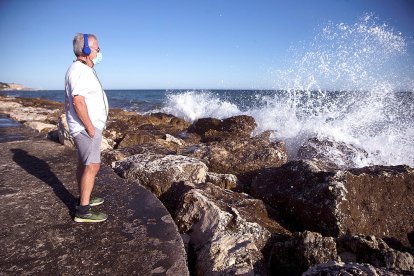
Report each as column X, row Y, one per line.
column 89, row 149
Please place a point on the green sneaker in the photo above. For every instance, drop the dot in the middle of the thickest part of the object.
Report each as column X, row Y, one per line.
column 90, row 217
column 95, row 201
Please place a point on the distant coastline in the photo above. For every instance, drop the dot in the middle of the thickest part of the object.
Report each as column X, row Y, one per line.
column 13, row 86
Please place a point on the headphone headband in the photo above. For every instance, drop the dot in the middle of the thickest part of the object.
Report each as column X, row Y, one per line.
column 86, row 50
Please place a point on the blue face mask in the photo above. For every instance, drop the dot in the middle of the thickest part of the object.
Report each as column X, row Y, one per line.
column 97, row 59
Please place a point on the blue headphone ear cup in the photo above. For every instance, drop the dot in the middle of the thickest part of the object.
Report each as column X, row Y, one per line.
column 86, row 50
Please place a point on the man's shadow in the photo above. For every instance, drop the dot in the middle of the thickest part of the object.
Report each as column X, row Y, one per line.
column 39, row 168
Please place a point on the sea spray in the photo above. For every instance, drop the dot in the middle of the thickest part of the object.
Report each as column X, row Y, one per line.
column 346, row 86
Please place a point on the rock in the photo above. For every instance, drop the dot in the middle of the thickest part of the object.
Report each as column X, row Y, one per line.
column 225, row 231
column 377, row 200
column 172, row 139
column 301, row 251
column 211, row 129
column 241, row 124
column 240, row 156
column 63, row 132
column 136, row 129
column 341, row 154
column 158, row 172
column 138, row 137
column 110, row 156
column 6, row 106
column 333, row 268
column 203, row 125
column 40, row 126
column 225, row 181
column 369, row 249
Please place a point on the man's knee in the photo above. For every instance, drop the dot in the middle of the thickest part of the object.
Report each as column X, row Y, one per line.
column 93, row 167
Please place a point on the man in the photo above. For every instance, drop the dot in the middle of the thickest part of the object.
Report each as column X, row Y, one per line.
column 86, row 109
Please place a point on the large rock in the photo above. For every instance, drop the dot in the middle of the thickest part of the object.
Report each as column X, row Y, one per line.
column 211, row 129
column 228, row 230
column 374, row 200
column 240, row 156
column 40, row 126
column 303, row 250
column 128, row 128
column 334, row 268
column 369, row 249
column 111, row 156
column 225, row 181
column 158, row 172
column 340, row 154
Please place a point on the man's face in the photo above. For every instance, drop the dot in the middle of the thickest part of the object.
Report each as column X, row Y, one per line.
column 94, row 49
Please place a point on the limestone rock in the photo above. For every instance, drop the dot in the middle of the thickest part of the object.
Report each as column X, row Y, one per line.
column 158, row 172
column 301, row 251
column 228, row 230
column 369, row 249
column 63, row 132
column 40, row 126
column 341, row 154
column 172, row 139
column 136, row 129
column 225, row 181
column 334, row 268
column 212, row 129
column 240, row 156
column 138, row 137
column 377, row 200
column 111, row 156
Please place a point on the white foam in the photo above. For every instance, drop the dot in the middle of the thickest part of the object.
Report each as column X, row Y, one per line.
column 360, row 57
column 192, row 105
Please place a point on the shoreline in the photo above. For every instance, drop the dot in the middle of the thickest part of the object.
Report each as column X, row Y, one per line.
column 214, row 170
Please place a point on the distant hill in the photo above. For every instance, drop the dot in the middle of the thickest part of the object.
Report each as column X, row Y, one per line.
column 12, row 86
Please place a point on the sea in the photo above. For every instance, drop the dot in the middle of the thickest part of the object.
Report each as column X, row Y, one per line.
column 352, row 83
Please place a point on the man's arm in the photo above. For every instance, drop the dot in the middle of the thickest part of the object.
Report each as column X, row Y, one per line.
column 82, row 112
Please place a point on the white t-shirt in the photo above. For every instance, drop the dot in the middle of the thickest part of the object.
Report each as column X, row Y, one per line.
column 81, row 80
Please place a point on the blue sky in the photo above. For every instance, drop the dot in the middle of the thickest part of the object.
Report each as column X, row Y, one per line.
column 212, row 44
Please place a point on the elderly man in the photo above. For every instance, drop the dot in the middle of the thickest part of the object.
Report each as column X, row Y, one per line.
column 86, row 109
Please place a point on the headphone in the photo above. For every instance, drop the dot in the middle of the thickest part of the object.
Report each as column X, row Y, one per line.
column 86, row 50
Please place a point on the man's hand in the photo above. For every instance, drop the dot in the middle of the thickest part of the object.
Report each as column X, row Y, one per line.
column 91, row 132
column 82, row 112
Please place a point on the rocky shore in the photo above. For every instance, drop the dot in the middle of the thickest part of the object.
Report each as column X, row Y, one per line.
column 242, row 207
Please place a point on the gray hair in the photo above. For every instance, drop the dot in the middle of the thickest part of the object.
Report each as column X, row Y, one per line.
column 78, row 43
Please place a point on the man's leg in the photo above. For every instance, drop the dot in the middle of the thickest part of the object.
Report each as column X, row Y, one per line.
column 87, row 181
column 79, row 173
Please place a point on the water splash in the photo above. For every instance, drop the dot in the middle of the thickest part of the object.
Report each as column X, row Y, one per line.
column 344, row 85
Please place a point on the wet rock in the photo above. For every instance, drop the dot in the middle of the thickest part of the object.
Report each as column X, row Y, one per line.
column 240, row 156
column 212, row 129
column 225, row 181
column 301, row 251
column 129, row 128
column 203, row 125
column 369, row 249
column 377, row 200
column 189, row 138
column 334, row 268
column 228, row 230
column 341, row 154
column 158, row 172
